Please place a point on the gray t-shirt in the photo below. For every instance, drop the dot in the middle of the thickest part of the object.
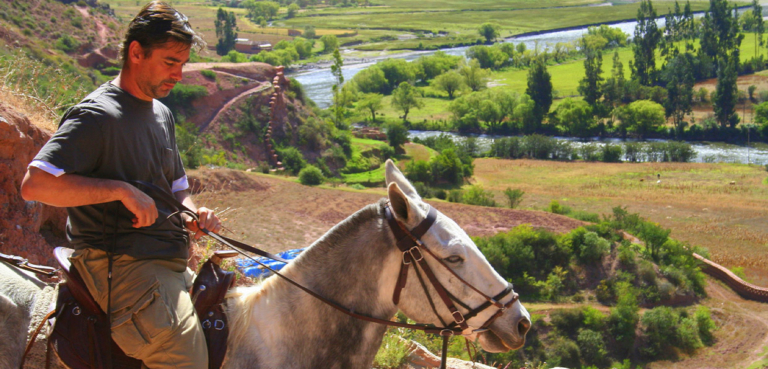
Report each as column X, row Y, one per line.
column 113, row 135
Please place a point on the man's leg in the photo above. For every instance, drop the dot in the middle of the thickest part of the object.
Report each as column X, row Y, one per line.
column 153, row 318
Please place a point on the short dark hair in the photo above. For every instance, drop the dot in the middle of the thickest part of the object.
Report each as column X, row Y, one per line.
column 156, row 24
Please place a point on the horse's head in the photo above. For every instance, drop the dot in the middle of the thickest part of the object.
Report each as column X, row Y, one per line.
column 449, row 243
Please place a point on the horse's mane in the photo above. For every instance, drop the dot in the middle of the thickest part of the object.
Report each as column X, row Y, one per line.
column 245, row 297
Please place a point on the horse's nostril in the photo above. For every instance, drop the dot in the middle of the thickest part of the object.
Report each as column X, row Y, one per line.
column 523, row 326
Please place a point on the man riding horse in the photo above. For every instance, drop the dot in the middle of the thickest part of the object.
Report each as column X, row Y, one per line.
column 131, row 253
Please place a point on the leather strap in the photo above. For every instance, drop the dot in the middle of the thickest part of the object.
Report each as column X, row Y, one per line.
column 22, row 263
column 409, row 243
column 167, row 198
column 34, row 336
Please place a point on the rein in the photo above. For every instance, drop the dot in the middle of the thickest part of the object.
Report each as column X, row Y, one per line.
column 411, row 246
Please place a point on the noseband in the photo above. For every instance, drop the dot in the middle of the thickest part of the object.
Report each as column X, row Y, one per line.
column 409, row 242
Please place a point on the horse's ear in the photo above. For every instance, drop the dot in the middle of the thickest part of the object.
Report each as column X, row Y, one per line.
column 393, row 175
column 401, row 206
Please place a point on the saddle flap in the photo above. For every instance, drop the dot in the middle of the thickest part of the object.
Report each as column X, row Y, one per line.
column 210, row 287
column 208, row 293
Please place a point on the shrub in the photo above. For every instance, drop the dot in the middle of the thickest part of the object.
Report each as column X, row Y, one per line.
column 659, row 327
column 387, row 152
column 705, row 324
column 514, row 197
column 568, row 321
column 555, row 207
column 688, row 335
column 207, row 73
column 593, row 248
column 627, row 256
column 455, row 195
column 585, row 216
column 476, row 195
column 591, row 346
column 418, row 171
column 593, row 319
column 67, row 43
column 182, row 95
column 423, row 190
column 311, row 176
column 647, row 272
column 563, row 352
column 611, row 153
column 292, row 159
column 624, row 317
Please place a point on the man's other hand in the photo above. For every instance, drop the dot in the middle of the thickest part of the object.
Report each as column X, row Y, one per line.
column 141, row 205
column 206, row 219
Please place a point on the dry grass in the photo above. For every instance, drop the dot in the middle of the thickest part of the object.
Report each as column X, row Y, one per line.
column 40, row 118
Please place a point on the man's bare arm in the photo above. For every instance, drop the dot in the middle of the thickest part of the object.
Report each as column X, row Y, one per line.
column 70, row 190
column 207, row 218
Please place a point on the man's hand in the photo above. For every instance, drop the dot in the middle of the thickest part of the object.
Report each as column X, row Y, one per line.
column 207, row 220
column 141, row 205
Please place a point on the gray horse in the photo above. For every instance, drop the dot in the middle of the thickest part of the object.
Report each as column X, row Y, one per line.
column 356, row 264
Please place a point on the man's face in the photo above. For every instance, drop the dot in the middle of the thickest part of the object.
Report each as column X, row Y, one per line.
column 159, row 71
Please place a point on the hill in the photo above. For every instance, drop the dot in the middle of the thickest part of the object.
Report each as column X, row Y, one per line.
column 51, row 29
column 243, row 113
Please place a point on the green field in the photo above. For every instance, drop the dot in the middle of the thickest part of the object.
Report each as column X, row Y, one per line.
column 511, row 21
column 458, row 20
column 565, row 82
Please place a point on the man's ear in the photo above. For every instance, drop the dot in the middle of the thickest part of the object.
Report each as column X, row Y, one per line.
column 135, row 52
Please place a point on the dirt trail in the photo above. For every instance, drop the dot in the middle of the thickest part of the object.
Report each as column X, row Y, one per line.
column 102, row 29
column 741, row 338
column 228, row 104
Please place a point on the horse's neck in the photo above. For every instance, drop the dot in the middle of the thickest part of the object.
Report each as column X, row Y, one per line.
column 354, row 265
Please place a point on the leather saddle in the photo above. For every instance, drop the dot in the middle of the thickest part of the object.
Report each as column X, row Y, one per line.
column 81, row 336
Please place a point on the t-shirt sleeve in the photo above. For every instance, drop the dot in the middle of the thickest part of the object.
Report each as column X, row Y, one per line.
column 77, row 146
column 179, row 173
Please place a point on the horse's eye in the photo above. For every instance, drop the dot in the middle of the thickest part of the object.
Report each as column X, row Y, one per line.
column 454, row 259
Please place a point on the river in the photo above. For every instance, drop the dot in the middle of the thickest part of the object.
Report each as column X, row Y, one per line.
column 706, row 152
column 317, row 85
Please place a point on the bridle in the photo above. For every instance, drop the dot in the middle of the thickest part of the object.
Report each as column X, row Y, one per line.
column 413, row 249
column 410, row 244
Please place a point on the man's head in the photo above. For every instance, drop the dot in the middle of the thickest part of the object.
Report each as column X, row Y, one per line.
column 156, row 47
column 157, row 24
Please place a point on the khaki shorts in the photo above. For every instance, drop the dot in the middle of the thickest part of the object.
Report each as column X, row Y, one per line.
column 153, row 318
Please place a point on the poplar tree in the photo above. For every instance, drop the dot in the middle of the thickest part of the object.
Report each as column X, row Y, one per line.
column 226, row 25
column 757, row 12
column 540, row 91
column 678, row 76
column 591, row 85
column 647, row 38
column 339, row 109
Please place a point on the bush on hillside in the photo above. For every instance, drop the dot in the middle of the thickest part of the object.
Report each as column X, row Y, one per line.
column 592, row 347
column 514, row 197
column 659, row 329
column 476, row 195
column 181, row 97
column 67, row 43
column 311, row 176
column 293, row 159
column 208, row 74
